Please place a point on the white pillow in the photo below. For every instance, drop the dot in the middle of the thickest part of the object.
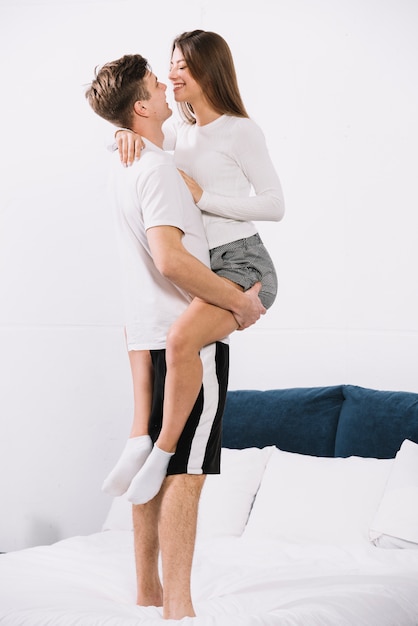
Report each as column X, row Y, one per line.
column 226, row 498
column 395, row 524
column 306, row 499
column 119, row 516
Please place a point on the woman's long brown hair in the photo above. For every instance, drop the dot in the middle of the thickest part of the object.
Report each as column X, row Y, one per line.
column 209, row 60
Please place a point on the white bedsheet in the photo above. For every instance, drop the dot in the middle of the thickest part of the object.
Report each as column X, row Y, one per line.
column 90, row 581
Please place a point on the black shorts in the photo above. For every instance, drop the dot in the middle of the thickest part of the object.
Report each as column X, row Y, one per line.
column 199, row 447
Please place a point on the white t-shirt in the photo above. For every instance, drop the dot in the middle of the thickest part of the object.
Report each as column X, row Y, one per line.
column 229, row 159
column 152, row 193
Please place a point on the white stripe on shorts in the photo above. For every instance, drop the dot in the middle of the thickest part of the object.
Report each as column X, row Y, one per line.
column 209, row 410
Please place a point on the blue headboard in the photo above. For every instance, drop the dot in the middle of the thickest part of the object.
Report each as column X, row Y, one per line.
column 341, row 420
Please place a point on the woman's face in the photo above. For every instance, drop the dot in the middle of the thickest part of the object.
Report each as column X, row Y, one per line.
column 185, row 88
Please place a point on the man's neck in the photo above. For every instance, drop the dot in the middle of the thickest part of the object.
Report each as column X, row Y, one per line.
column 151, row 133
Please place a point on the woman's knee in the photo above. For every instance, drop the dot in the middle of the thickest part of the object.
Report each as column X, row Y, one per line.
column 180, row 343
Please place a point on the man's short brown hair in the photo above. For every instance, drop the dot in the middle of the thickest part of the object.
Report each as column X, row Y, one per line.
column 117, row 86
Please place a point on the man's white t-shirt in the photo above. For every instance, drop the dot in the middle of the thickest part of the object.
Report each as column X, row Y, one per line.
column 152, row 193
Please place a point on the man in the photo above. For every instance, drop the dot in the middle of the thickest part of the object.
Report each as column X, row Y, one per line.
column 165, row 263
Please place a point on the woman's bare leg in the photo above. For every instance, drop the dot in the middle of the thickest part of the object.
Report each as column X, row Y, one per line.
column 200, row 325
column 142, row 383
column 139, row 444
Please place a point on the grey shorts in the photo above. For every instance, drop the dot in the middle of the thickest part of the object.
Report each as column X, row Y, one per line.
column 246, row 262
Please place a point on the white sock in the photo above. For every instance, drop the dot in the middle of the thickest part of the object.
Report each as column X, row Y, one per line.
column 147, row 483
column 130, row 462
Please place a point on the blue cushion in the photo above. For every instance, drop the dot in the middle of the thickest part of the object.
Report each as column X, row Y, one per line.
column 374, row 423
column 302, row 420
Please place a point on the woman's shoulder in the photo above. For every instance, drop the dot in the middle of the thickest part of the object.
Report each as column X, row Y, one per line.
column 243, row 128
column 242, row 123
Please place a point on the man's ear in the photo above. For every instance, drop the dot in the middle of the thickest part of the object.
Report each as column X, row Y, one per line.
column 140, row 108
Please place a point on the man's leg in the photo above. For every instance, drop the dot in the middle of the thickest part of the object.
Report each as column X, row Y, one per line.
column 176, row 505
column 177, row 533
column 146, row 543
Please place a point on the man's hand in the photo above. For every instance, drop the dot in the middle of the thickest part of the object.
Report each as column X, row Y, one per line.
column 129, row 145
column 174, row 262
column 251, row 309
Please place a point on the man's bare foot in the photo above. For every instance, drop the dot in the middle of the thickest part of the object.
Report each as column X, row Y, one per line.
column 150, row 596
column 178, row 612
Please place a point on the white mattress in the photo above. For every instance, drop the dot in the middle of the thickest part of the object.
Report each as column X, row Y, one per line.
column 90, row 581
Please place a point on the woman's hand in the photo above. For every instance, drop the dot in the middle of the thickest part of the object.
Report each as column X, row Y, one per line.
column 129, row 145
column 194, row 188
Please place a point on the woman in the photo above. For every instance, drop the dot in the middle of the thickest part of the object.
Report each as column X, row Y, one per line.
column 221, row 154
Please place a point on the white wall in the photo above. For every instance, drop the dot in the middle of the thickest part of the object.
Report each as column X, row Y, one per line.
column 333, row 85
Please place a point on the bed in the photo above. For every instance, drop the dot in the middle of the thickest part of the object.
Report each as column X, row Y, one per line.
column 312, row 522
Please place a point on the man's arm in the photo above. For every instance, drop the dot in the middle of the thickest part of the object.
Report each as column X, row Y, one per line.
column 175, row 263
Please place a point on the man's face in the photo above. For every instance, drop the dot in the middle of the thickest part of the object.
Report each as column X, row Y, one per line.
column 157, row 105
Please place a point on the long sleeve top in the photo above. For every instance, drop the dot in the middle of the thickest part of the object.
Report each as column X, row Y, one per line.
column 229, row 159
